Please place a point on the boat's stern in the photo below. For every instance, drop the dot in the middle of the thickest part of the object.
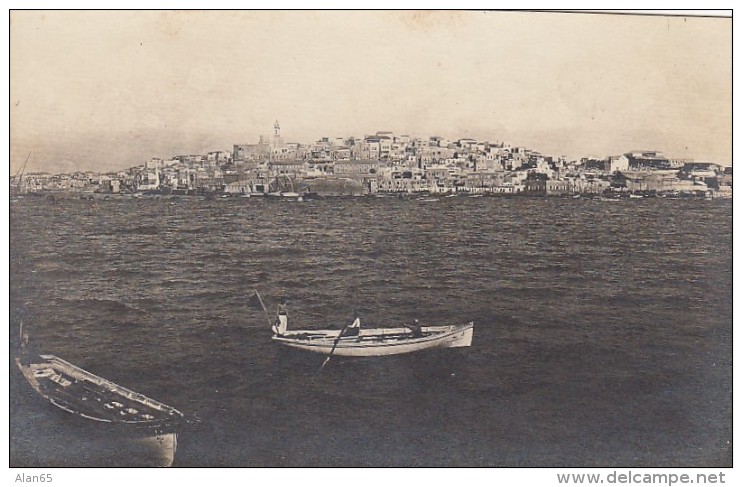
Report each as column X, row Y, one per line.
column 160, row 448
column 462, row 337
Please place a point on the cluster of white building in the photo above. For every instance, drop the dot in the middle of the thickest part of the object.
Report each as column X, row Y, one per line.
column 386, row 162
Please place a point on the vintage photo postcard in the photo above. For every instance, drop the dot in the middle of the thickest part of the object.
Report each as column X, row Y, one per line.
column 376, row 239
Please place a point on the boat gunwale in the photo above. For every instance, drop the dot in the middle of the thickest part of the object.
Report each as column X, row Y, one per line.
column 171, row 416
column 370, row 341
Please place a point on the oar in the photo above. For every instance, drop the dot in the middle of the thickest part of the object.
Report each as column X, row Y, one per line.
column 267, row 315
column 337, row 340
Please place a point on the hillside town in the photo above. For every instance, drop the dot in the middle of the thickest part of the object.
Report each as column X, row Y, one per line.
column 389, row 163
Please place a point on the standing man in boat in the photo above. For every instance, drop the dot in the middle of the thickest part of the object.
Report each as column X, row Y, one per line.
column 283, row 320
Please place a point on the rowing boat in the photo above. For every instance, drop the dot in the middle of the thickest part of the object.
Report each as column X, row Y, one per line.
column 113, row 421
column 353, row 341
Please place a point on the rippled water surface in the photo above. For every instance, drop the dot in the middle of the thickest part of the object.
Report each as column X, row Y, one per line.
column 602, row 329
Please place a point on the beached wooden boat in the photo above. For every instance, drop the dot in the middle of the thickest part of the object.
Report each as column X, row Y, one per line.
column 353, row 341
column 130, row 421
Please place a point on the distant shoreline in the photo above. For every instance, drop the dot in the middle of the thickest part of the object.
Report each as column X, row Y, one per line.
column 420, row 195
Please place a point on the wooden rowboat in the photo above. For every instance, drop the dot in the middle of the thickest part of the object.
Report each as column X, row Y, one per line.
column 372, row 342
column 139, row 429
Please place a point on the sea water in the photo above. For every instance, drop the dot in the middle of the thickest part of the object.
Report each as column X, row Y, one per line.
column 603, row 330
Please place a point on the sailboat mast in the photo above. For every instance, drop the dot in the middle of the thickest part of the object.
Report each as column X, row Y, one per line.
column 22, row 169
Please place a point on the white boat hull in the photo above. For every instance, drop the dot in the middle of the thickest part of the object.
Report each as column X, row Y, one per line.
column 159, row 449
column 376, row 342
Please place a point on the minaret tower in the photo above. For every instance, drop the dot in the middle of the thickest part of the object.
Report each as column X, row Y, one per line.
column 276, row 134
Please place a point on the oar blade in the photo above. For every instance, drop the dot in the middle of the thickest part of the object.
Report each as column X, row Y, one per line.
column 322, row 367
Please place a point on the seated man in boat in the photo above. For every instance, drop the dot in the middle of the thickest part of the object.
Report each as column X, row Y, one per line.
column 417, row 330
column 279, row 328
column 354, row 329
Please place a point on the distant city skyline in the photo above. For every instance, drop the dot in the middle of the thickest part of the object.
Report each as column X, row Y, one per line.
column 104, row 91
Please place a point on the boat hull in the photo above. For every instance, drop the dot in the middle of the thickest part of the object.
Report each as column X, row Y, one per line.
column 378, row 341
column 108, row 424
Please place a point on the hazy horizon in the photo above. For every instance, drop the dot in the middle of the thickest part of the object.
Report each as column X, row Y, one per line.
column 109, row 90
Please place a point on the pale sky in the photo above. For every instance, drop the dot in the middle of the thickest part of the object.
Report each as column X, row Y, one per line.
column 108, row 90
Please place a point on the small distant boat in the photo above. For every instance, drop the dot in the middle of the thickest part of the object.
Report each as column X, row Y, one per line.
column 134, row 426
column 428, row 199
column 635, row 196
column 373, row 342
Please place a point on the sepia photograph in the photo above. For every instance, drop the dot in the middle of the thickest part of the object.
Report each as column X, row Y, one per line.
column 371, row 239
